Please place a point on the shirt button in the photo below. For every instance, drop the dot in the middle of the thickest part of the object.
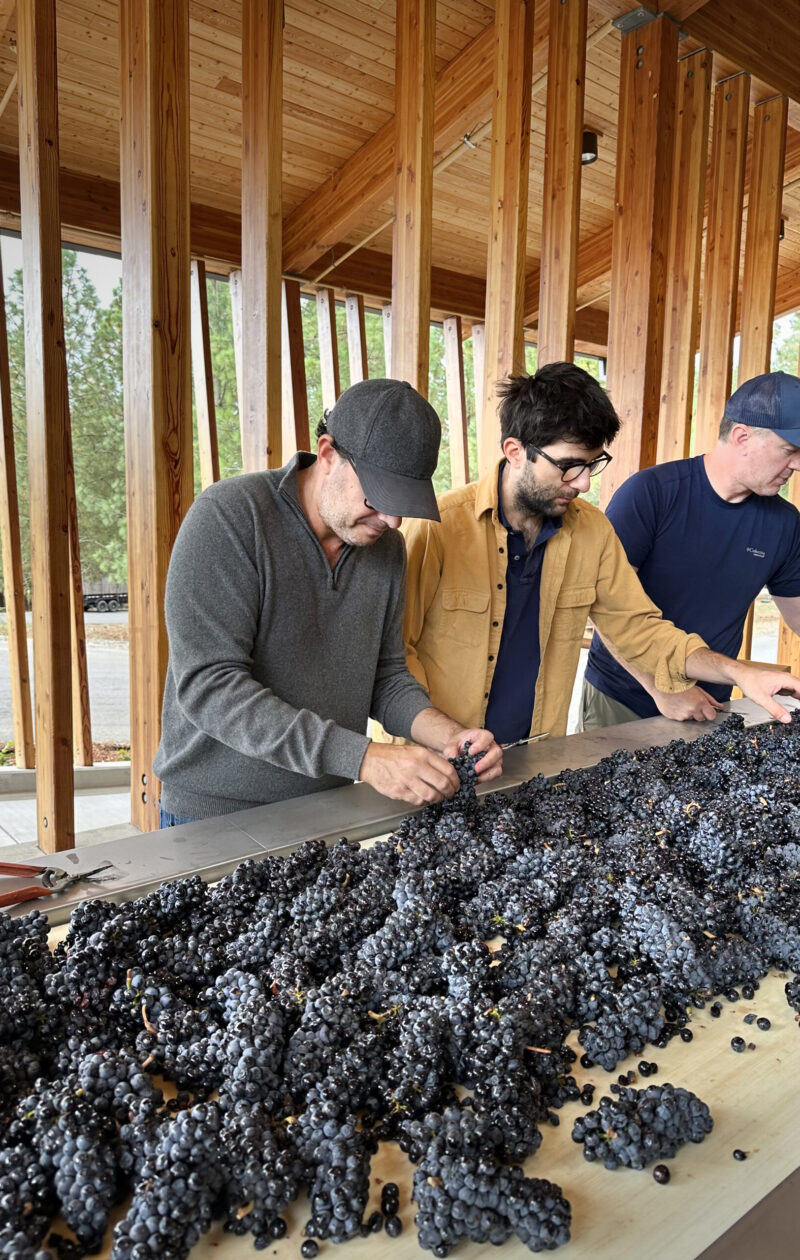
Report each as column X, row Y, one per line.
column 501, row 550
column 486, row 695
column 495, row 623
column 499, row 586
column 491, row 658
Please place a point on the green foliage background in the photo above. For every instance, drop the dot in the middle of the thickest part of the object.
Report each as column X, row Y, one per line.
column 94, row 362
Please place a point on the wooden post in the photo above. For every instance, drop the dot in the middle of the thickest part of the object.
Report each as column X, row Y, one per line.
column 81, row 710
column 761, row 240
column 356, row 337
column 295, row 396
column 761, row 256
column 645, row 144
column 508, row 205
column 413, row 191
column 262, row 138
column 47, row 414
column 328, row 347
column 479, row 376
column 561, row 201
column 723, row 239
column 682, row 306
column 156, row 308
column 456, row 402
column 386, row 319
column 12, row 562
column 788, row 641
column 204, row 406
column 235, row 290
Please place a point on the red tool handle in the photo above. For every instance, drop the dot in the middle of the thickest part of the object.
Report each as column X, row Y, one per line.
column 19, row 868
column 24, row 894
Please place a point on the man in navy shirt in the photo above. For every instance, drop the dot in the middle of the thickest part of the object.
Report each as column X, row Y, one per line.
column 706, row 535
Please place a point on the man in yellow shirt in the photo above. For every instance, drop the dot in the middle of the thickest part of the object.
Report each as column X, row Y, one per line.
column 498, row 592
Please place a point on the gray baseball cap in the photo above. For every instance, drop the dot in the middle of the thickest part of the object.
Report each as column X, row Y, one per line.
column 392, row 435
column 769, row 401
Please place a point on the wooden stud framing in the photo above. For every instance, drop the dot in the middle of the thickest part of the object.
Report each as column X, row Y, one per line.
column 47, row 414
column 682, row 306
column 723, row 239
column 761, row 240
column 204, row 405
column 561, row 201
column 295, row 397
column 386, row 319
column 508, row 205
column 13, row 587
column 788, row 641
column 156, row 302
column 413, row 191
column 456, row 401
column 328, row 347
column 645, row 144
column 262, row 132
column 356, row 337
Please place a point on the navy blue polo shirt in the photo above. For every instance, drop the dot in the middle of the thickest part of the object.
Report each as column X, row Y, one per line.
column 510, row 708
column 701, row 560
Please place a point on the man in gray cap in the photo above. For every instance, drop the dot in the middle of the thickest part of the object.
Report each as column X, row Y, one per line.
column 706, row 535
column 284, row 609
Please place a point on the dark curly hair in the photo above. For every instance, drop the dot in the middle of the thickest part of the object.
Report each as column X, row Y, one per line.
column 559, row 403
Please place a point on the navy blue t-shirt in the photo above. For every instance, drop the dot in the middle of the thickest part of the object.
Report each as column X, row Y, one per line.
column 701, row 560
column 513, row 691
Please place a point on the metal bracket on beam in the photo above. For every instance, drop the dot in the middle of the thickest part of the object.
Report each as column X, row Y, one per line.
column 640, row 16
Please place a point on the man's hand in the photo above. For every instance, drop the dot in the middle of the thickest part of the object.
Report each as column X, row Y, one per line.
column 480, row 741
column 760, row 685
column 692, row 705
column 408, row 773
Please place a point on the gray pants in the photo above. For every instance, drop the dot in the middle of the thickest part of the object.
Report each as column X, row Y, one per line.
column 598, row 710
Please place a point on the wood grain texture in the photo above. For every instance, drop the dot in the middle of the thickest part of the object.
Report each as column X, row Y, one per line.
column 81, row 710
column 456, row 401
column 156, row 312
column 235, row 289
column 386, row 320
column 561, row 203
column 262, row 139
column 202, row 372
column 47, row 416
column 356, row 337
column 413, row 192
column 508, row 208
column 764, row 206
column 758, row 35
column 296, row 435
column 645, row 146
column 479, row 374
column 682, row 306
column 721, row 267
column 328, row 347
column 13, row 581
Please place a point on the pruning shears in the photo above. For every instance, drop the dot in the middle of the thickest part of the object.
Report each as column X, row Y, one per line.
column 532, row 739
column 49, row 880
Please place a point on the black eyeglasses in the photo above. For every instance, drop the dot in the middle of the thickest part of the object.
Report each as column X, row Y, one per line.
column 346, row 455
column 571, row 470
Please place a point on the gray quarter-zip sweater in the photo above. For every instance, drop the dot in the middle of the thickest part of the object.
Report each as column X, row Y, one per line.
column 276, row 661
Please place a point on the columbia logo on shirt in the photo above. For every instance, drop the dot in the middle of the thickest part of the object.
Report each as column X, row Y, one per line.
column 754, row 551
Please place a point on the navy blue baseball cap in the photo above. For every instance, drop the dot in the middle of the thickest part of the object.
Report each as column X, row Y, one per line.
column 769, row 401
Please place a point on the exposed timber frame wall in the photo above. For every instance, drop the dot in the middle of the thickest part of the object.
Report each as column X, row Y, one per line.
column 204, row 406
column 561, row 204
column 723, row 240
column 508, row 207
column 48, row 422
column 413, row 191
column 154, row 164
column 293, row 369
column 645, row 147
column 456, row 401
column 682, row 307
column 262, row 131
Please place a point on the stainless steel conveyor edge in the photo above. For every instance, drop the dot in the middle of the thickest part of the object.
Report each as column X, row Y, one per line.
column 214, row 847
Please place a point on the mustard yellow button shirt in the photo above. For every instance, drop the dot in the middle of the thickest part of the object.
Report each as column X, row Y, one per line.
column 456, row 601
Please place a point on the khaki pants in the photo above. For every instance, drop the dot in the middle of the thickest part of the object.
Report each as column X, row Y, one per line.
column 598, row 710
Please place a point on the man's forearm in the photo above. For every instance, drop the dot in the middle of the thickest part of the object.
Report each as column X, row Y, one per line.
column 644, row 680
column 434, row 729
column 707, row 666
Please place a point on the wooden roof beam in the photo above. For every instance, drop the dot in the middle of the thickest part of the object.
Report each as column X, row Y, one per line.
column 760, row 36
